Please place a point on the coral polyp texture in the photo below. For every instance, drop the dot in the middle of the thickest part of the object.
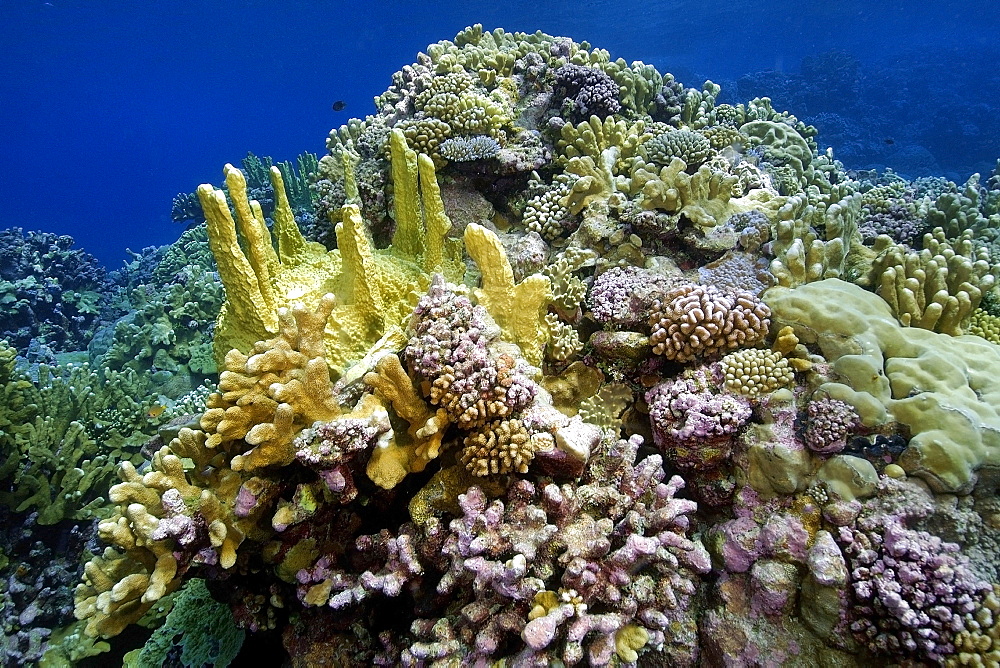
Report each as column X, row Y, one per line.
column 567, row 364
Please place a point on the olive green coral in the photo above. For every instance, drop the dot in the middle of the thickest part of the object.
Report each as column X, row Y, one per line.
column 691, row 147
column 938, row 287
column 940, row 387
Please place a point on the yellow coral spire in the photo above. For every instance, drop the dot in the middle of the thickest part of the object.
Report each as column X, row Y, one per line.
column 438, row 223
column 244, row 295
column 291, row 243
column 518, row 309
column 407, row 240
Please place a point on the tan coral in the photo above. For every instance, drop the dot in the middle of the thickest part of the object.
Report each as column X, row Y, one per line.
column 700, row 321
column 502, row 446
column 281, row 388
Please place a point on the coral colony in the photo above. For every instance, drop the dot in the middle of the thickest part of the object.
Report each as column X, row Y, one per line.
column 550, row 361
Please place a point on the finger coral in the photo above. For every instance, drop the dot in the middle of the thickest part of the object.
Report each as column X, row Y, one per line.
column 694, row 321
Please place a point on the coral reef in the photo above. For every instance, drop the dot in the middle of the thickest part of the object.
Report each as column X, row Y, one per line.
column 49, row 291
column 549, row 361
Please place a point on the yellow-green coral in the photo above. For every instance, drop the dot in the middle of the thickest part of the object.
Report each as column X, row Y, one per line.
column 518, row 309
column 985, row 325
column 410, row 451
column 941, row 387
column 266, row 398
column 813, row 239
column 755, row 371
column 375, row 289
column 938, row 287
column 706, row 198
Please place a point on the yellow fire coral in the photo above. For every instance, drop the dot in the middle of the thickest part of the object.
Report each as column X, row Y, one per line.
column 375, row 289
column 281, row 388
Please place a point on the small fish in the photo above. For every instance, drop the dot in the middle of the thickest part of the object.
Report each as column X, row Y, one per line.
column 339, row 105
column 155, row 411
column 889, row 141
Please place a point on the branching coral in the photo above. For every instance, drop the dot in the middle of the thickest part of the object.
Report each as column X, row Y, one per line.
column 910, row 588
column 451, row 352
column 266, row 398
column 701, row 321
column 938, row 287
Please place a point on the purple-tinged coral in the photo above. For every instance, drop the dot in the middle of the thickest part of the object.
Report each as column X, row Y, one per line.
column 579, row 572
column 828, row 424
column 701, row 321
column 331, row 447
column 585, row 92
column 393, row 564
column 623, row 296
column 898, row 222
column 450, row 351
column 686, row 413
column 910, row 589
column 599, row 561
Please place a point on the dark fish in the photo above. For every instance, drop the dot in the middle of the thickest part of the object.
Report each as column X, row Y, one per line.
column 339, row 105
column 888, row 140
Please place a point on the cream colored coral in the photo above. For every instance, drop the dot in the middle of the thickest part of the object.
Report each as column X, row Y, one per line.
column 755, row 371
column 502, row 446
column 801, row 253
column 699, row 321
column 564, row 341
column 544, row 213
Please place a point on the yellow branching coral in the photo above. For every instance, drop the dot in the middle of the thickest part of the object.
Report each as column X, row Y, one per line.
column 518, row 309
column 283, row 386
column 375, row 289
column 421, row 222
column 182, row 508
column 251, row 304
column 121, row 585
column 936, row 288
column 407, row 452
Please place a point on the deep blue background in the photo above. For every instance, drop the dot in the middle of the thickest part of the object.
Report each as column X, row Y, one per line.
column 108, row 109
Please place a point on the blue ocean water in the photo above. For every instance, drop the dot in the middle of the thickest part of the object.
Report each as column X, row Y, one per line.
column 108, row 109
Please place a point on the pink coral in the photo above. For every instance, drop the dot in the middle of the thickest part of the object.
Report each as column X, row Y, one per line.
column 911, row 589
